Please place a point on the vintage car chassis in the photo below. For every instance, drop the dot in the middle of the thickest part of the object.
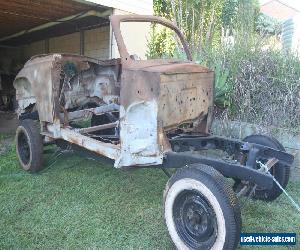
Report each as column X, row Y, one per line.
column 159, row 114
column 186, row 150
column 229, row 168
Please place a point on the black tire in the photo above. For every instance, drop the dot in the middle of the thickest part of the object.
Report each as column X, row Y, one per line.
column 279, row 171
column 29, row 145
column 201, row 210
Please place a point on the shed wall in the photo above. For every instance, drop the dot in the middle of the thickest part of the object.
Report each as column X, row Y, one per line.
column 96, row 44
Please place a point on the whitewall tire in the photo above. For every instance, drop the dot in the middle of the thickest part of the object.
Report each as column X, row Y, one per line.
column 201, row 210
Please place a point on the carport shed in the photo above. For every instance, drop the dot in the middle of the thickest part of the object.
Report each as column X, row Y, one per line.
column 31, row 27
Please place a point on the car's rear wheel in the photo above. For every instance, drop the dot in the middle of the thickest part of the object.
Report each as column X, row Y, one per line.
column 29, row 145
column 201, row 210
column 279, row 171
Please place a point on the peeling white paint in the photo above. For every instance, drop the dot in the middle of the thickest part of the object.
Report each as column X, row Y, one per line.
column 24, row 103
column 109, row 150
column 138, row 133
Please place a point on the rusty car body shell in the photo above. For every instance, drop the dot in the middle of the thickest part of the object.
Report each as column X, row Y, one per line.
column 153, row 98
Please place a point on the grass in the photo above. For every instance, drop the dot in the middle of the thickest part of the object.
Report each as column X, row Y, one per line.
column 78, row 203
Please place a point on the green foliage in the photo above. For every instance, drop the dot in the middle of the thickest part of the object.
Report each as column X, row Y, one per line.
column 244, row 26
column 267, row 88
column 253, row 82
column 200, row 20
column 222, row 87
column 223, row 82
column 204, row 21
column 162, row 8
column 266, row 25
column 229, row 13
column 161, row 43
column 256, row 84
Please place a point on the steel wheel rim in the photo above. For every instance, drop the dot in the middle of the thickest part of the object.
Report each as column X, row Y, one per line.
column 195, row 220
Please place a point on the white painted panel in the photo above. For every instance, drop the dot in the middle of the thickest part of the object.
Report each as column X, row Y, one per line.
column 138, row 130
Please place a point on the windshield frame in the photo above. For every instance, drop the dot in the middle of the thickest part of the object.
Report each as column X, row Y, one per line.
column 117, row 19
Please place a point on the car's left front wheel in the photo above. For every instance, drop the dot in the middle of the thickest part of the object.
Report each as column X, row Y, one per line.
column 29, row 146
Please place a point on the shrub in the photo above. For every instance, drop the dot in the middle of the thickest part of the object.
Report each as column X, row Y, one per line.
column 267, row 89
column 254, row 81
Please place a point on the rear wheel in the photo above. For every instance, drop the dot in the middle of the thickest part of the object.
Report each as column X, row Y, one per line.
column 201, row 210
column 29, row 145
column 279, row 171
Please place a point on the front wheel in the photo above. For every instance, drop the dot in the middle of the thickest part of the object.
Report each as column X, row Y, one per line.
column 201, row 210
